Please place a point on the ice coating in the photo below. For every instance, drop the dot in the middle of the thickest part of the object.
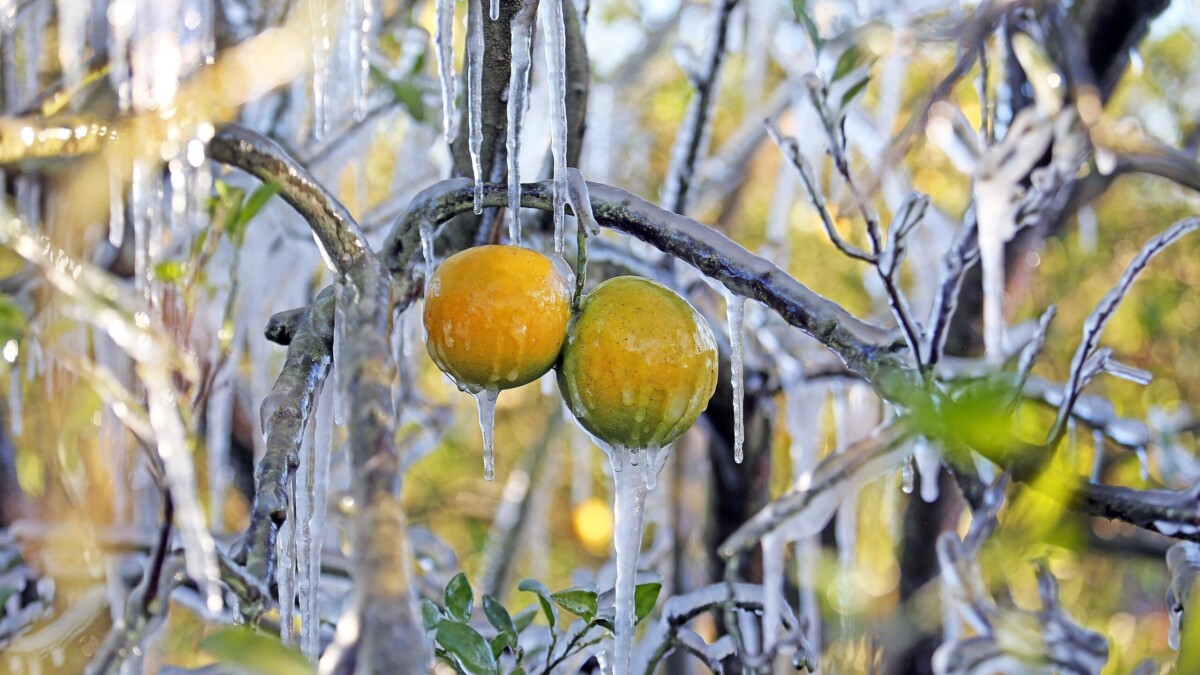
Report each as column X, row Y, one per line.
column 443, row 36
column 556, row 68
column 735, row 309
column 518, row 101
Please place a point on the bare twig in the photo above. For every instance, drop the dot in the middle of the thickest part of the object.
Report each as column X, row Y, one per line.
column 1104, row 311
column 693, row 135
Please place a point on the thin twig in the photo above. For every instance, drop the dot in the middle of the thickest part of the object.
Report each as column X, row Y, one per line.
column 692, row 140
column 1104, row 311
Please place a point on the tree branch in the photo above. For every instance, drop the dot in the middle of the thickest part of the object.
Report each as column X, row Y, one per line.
column 867, row 350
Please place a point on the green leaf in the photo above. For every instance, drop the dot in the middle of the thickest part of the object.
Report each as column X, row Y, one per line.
column 460, row 600
column 524, row 618
column 430, row 614
column 6, row 592
column 855, row 90
column 497, row 645
column 543, row 593
column 644, row 598
column 847, row 62
column 409, row 95
column 579, row 601
column 467, row 646
column 246, row 652
column 499, row 618
column 250, row 208
column 800, row 7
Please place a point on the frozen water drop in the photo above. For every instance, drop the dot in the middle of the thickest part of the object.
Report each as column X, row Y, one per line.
column 906, row 475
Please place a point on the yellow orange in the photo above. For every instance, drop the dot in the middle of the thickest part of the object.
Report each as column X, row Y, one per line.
column 496, row 316
column 639, row 365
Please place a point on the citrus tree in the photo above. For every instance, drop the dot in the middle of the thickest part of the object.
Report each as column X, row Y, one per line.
column 846, row 295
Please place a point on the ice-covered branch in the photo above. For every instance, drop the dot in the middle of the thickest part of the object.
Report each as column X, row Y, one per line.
column 285, row 414
column 869, row 351
column 670, row 632
column 1104, row 311
column 692, row 138
column 379, row 631
column 335, row 230
column 810, row 506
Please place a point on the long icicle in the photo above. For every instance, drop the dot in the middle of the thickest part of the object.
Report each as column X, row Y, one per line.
column 518, row 100
column 475, row 94
column 443, row 35
column 735, row 308
column 556, row 69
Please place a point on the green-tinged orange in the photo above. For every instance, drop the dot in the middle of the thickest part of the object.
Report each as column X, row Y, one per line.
column 496, row 316
column 639, row 365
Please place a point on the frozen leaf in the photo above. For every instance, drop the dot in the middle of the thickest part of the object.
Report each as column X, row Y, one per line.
column 579, row 601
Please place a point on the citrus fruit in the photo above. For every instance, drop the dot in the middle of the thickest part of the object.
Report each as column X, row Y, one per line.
column 496, row 316
column 639, row 364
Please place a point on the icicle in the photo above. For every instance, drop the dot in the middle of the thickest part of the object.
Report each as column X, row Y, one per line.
column 653, row 466
column 494, row 10
column 218, row 432
column 285, row 577
column 1143, row 462
column 487, row 422
column 1176, row 616
column 16, row 399
column 120, row 19
column 735, row 308
column 303, row 499
column 444, row 37
column 628, row 506
column 318, row 13
column 518, row 100
column 339, row 341
column 317, row 485
column 906, row 475
column 426, row 230
column 772, row 562
column 1097, row 454
column 362, row 78
column 556, row 69
column 199, row 550
column 580, row 200
column 73, row 19
column 475, row 93
column 929, row 464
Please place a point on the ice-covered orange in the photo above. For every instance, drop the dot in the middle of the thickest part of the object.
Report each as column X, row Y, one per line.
column 496, row 316
column 639, row 364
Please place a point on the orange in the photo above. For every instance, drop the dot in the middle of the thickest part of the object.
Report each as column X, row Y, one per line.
column 496, row 316
column 639, row 365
